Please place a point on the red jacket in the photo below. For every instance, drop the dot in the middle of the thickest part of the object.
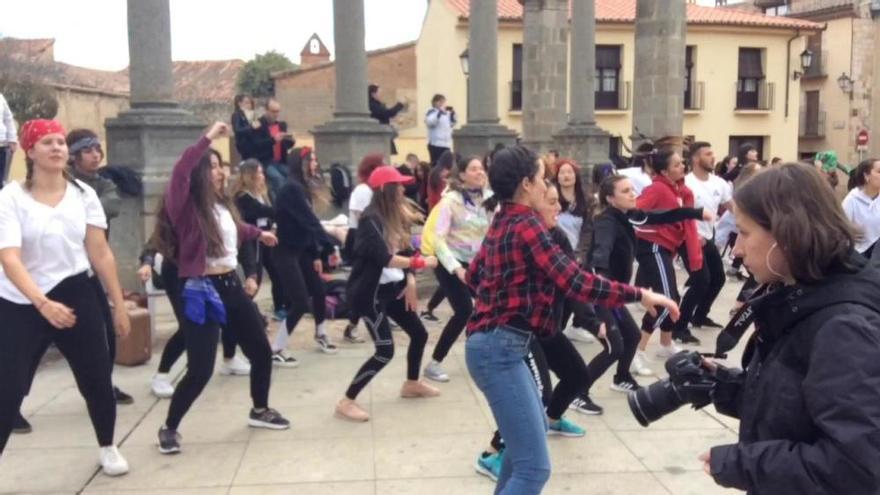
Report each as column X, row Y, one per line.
column 662, row 194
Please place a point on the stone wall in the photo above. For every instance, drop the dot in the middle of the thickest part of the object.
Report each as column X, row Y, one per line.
column 307, row 96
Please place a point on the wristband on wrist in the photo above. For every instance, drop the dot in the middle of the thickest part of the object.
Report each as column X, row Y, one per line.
column 416, row 262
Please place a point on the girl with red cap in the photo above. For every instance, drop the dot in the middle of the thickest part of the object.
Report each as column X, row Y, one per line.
column 382, row 285
column 51, row 231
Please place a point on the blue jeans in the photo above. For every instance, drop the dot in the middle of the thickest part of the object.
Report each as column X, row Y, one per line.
column 276, row 176
column 495, row 360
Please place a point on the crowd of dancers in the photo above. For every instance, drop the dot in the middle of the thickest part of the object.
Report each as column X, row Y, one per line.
column 519, row 244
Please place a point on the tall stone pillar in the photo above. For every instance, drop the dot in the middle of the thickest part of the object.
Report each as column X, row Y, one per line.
column 582, row 139
column 545, row 71
column 352, row 133
column 482, row 131
column 150, row 136
column 658, row 85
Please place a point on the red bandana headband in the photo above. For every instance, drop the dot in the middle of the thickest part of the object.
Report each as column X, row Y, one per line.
column 34, row 130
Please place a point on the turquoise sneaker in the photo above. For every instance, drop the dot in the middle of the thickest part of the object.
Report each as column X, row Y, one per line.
column 489, row 465
column 566, row 428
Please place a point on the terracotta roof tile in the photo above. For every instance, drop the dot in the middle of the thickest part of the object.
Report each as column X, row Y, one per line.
column 624, row 11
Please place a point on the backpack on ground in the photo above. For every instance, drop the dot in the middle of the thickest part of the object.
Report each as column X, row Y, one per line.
column 340, row 183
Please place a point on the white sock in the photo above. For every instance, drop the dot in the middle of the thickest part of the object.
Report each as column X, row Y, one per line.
column 319, row 330
column 281, row 338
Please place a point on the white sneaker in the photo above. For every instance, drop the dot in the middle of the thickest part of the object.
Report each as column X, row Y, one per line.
column 667, row 351
column 578, row 334
column 640, row 365
column 161, row 386
column 433, row 371
column 236, row 366
column 112, row 462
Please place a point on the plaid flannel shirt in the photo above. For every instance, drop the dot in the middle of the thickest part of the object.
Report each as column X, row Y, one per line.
column 519, row 269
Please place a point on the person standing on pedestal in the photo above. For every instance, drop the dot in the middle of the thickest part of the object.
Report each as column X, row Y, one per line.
column 244, row 124
column 271, row 142
column 8, row 139
column 440, row 120
column 383, row 114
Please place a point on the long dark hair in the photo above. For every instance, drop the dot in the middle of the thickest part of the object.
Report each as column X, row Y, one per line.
column 388, row 208
column 454, row 180
column 857, row 176
column 163, row 239
column 660, row 160
column 721, row 167
column 204, row 198
column 741, row 153
column 582, row 206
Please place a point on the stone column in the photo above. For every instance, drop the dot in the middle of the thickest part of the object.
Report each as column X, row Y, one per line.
column 151, row 135
column 482, row 131
column 545, row 71
column 352, row 133
column 658, row 85
column 582, row 139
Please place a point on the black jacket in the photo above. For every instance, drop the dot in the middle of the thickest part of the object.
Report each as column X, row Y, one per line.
column 263, row 143
column 809, row 409
column 298, row 227
column 383, row 114
column 613, row 247
column 243, row 132
column 370, row 255
column 259, row 215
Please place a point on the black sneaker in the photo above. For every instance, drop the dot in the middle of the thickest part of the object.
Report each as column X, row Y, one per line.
column 685, row 338
column 169, row 441
column 351, row 336
column 281, row 359
column 707, row 323
column 584, row 405
column 268, row 418
column 122, row 397
column 21, row 425
column 625, row 384
column 429, row 316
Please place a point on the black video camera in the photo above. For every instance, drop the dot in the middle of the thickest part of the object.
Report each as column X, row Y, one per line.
column 689, row 382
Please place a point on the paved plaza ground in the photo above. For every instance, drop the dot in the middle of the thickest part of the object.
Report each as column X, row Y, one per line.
column 424, row 447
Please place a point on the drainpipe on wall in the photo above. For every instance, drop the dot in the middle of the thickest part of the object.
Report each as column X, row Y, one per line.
column 797, row 34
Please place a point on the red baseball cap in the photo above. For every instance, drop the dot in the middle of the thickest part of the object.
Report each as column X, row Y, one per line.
column 387, row 174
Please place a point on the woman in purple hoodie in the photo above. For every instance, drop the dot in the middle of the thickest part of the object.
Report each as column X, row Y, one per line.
column 207, row 234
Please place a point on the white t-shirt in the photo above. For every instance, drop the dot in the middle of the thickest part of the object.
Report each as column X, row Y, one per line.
column 709, row 195
column 640, row 180
column 229, row 233
column 865, row 213
column 358, row 201
column 51, row 239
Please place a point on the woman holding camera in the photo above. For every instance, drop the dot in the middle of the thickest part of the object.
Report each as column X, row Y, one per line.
column 809, row 403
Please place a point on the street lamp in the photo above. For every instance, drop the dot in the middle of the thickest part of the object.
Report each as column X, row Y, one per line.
column 806, row 61
column 845, row 83
column 465, row 66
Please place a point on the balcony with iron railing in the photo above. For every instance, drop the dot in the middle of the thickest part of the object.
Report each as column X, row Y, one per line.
column 619, row 102
column 811, row 124
column 759, row 98
column 695, row 97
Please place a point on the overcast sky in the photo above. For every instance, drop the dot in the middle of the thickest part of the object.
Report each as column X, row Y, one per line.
column 92, row 33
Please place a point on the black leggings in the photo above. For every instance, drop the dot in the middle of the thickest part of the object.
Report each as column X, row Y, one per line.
column 436, row 298
column 302, row 285
column 704, row 285
column 201, row 349
column 657, row 272
column 567, row 363
column 376, row 315
column 434, row 152
column 279, row 301
column 24, row 337
column 621, row 345
column 459, row 296
column 106, row 317
column 176, row 345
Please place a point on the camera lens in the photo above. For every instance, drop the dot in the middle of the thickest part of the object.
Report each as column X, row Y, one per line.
column 651, row 403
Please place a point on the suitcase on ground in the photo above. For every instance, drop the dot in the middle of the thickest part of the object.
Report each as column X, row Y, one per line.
column 137, row 347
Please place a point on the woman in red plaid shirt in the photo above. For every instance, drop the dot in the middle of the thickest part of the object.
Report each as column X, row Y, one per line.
column 516, row 276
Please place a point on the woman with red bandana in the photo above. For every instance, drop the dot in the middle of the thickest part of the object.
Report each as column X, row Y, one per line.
column 51, row 231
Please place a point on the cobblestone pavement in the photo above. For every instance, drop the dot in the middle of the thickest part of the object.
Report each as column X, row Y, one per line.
column 425, row 446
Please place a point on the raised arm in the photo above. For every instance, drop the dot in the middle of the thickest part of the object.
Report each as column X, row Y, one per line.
column 177, row 193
